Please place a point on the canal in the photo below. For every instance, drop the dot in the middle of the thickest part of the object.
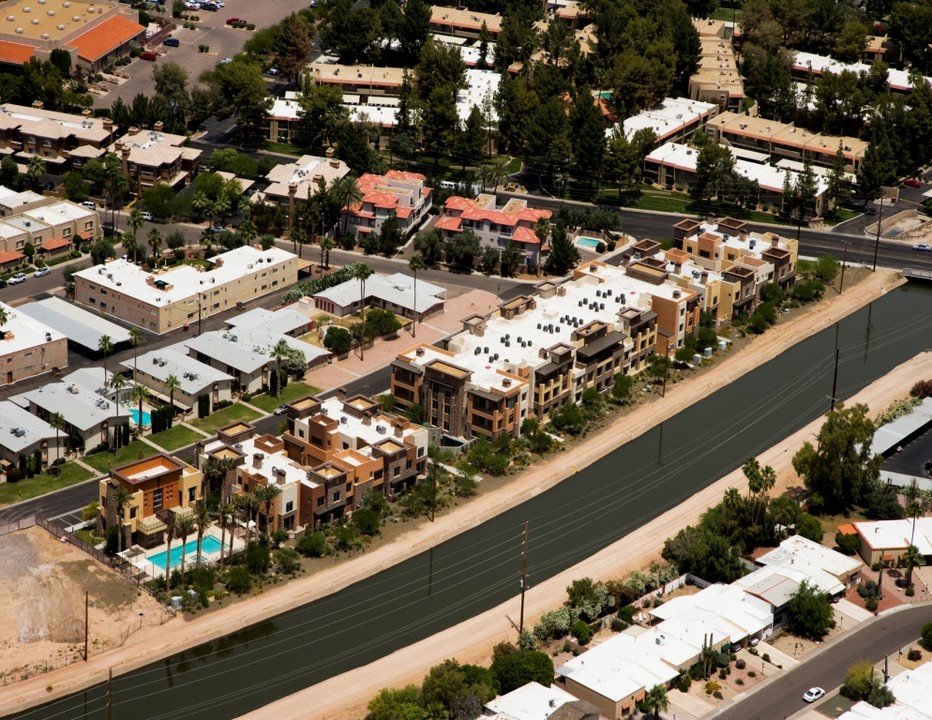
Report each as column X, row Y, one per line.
column 480, row 568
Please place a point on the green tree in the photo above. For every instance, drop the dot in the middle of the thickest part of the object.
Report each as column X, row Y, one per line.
column 912, row 558
column 715, row 168
column 324, row 115
column 462, row 250
column 121, row 497
column 238, row 90
column 429, row 245
column 851, row 42
column 76, row 189
column 203, row 517
column 878, row 168
column 926, row 635
column 840, row 470
column 403, row 704
column 516, row 669
column 338, row 340
column 105, row 348
column 838, row 188
column 656, row 701
column 172, row 383
column 809, row 612
column 293, row 46
column 415, row 264
column 361, row 273
column 139, row 395
column 587, row 130
column 35, row 170
column 154, row 241
column 563, row 255
column 169, row 534
column 470, row 140
column 158, row 200
column 346, row 193
column 184, row 526
column 415, row 30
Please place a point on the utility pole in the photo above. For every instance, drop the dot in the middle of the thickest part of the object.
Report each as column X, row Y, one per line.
column 86, row 604
column 835, row 380
column 110, row 695
column 523, row 580
column 877, row 241
column 844, row 262
column 433, row 500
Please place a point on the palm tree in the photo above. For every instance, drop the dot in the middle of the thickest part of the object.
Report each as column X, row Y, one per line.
column 415, row 264
column 140, row 393
column 278, row 352
column 121, row 496
column 57, row 421
column 266, row 495
column 362, row 272
column 169, row 533
column 326, row 245
column 202, row 204
column 105, row 347
column 202, row 519
column 154, row 239
column 656, row 701
column 135, row 221
column 172, row 383
column 911, row 558
column 118, row 382
column 249, row 503
column 346, row 192
column 135, row 339
column 184, row 526
column 224, row 512
column 130, row 246
column 35, row 171
column 4, row 316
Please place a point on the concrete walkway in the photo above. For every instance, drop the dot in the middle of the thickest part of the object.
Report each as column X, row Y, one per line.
column 851, row 612
column 684, row 706
column 777, row 657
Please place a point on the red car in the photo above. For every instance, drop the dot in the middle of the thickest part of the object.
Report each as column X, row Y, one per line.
column 912, row 182
column 232, row 20
column 148, row 55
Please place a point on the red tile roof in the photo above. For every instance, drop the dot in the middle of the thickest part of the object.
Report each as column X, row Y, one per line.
column 525, row 235
column 448, row 222
column 55, row 243
column 8, row 256
column 15, row 53
column 106, row 37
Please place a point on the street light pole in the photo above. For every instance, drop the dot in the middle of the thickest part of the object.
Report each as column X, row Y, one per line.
column 877, row 241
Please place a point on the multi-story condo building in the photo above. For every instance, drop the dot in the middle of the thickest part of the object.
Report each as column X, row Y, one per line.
column 301, row 179
column 717, row 79
column 153, row 369
column 22, row 434
column 28, row 347
column 402, row 194
column 164, row 300
column 161, row 486
column 496, row 227
column 463, row 22
column 810, row 66
column 57, row 137
column 151, row 157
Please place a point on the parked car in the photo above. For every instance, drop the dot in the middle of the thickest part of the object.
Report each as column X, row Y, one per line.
column 922, row 247
column 234, row 19
column 42, row 272
column 272, row 71
column 2, row 283
column 147, row 216
column 89, row 204
column 218, row 229
column 210, row 7
column 17, row 279
column 912, row 182
column 192, row 5
column 148, row 55
column 813, row 694
column 225, row 61
column 280, row 410
column 172, row 42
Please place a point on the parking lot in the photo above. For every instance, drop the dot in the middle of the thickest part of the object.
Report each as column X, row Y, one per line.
column 223, row 40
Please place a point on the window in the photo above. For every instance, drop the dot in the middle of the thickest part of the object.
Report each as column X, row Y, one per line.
column 336, row 495
column 192, row 494
column 157, row 500
column 320, row 501
column 132, row 512
column 349, row 487
column 289, row 506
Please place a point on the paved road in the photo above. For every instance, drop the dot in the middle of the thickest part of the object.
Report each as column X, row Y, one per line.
column 782, row 697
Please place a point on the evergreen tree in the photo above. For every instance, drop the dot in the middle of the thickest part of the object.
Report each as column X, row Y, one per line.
column 563, row 255
column 839, row 187
column 471, row 138
column 416, row 28
column 587, row 135
column 878, row 168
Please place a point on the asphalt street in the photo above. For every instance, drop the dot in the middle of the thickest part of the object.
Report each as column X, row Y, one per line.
column 783, row 696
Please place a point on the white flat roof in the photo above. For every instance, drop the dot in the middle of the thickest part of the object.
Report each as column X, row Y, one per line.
column 185, row 281
column 294, row 473
column 807, row 556
column 668, row 117
column 193, row 375
column 81, row 326
column 353, row 428
column 745, row 611
column 80, row 407
column 12, row 199
column 246, row 350
column 480, row 84
column 65, row 209
column 19, row 428
column 397, row 289
column 891, row 434
column 23, row 332
column 530, row 702
column 895, row 534
column 896, row 79
column 284, row 320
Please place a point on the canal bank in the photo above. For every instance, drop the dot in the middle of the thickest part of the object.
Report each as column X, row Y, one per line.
column 573, row 521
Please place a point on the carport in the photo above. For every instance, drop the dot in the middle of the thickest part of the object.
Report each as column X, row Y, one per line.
column 82, row 327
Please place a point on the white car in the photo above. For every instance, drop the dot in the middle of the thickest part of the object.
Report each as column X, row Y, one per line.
column 191, row 5
column 813, row 694
column 17, row 279
column 42, row 272
column 147, row 216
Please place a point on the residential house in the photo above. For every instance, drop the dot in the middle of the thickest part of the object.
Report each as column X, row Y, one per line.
column 161, row 486
column 886, row 540
column 83, row 328
column 287, row 320
column 13, row 202
column 530, row 702
column 496, row 227
column 395, row 293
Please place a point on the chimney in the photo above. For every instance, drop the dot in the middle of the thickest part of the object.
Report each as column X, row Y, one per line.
column 108, row 124
column 329, row 152
column 399, row 429
column 334, row 163
column 38, row 104
column 420, row 352
column 676, row 294
column 774, row 240
column 133, row 130
column 704, row 278
column 341, row 394
column 257, row 460
column 366, row 420
column 86, row 112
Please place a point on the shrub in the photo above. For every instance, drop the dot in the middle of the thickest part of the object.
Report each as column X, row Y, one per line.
column 712, row 687
column 684, row 683
column 618, row 625
column 922, row 389
column 914, row 655
column 871, row 604
column 287, row 561
column 848, row 544
column 926, row 635
column 313, row 544
column 765, row 657
column 257, row 556
column 740, row 663
column 239, row 580
column 582, row 632
column 739, row 681
column 338, row 340
column 752, row 674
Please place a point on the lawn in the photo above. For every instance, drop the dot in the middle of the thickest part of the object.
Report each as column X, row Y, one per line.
column 294, row 391
column 727, row 14
column 71, row 474
column 103, row 461
column 234, row 412
column 176, row 437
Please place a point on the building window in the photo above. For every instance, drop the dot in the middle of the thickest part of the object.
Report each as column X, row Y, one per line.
column 192, row 494
column 336, row 495
column 320, row 501
column 132, row 512
column 157, row 500
column 289, row 506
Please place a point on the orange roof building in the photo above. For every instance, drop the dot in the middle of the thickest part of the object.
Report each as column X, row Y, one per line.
column 401, row 193
column 93, row 33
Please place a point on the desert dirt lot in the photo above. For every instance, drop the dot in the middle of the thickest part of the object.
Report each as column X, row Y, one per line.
column 42, row 586
column 343, row 697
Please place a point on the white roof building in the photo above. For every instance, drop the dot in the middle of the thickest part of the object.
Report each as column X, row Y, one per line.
column 82, row 327
column 804, row 61
column 824, row 566
column 20, row 429
column 247, row 350
column 671, row 117
column 81, row 407
column 194, row 376
column 529, row 702
column 912, row 690
column 286, row 320
column 305, row 173
column 749, row 614
column 895, row 535
column 395, row 292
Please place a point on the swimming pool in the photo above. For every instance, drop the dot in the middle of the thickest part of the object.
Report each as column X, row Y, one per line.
column 209, row 546
column 588, row 242
column 146, row 417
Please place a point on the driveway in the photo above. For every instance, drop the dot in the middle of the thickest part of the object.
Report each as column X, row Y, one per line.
column 223, row 40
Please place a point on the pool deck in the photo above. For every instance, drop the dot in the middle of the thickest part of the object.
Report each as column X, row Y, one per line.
column 140, row 558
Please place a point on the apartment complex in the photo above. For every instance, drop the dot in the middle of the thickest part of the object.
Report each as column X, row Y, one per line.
column 496, row 227
column 153, row 369
column 301, row 179
column 150, row 157
column 366, row 81
column 395, row 293
column 161, row 486
column 28, row 347
column 402, row 194
column 463, row 22
column 781, row 140
column 168, row 299
column 22, row 434
column 808, row 66
column 57, row 137
column 93, row 33
column 717, row 79
column 537, row 353
column 671, row 119
column 49, row 225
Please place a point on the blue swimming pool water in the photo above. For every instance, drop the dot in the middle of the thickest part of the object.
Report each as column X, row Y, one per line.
column 209, row 545
column 588, row 242
column 146, row 417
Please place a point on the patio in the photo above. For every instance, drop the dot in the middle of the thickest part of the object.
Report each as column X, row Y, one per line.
column 152, row 561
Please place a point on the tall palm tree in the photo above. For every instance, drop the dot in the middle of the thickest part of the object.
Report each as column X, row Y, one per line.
column 135, row 339
column 154, row 240
column 201, row 203
column 130, row 246
column 415, row 264
column 202, row 519
column 250, row 503
column 224, row 512
column 35, row 171
column 135, row 221
column 120, row 496
column 105, row 347
column 4, row 316
column 172, row 383
column 362, row 272
column 184, row 526
column 266, row 495
column 278, row 352
column 656, row 701
column 140, row 393
column 911, row 558
column 346, row 192
column 326, row 245
column 118, row 382
column 169, row 533
column 57, row 421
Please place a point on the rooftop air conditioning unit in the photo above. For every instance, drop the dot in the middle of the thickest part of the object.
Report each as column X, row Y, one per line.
column 380, row 428
column 343, row 420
